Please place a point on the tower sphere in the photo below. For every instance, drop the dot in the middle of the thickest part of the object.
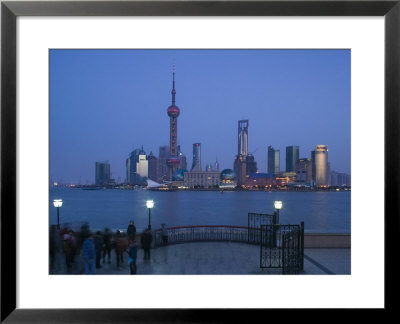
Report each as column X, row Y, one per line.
column 173, row 111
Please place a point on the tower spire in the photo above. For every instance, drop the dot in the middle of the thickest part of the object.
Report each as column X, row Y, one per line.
column 173, row 84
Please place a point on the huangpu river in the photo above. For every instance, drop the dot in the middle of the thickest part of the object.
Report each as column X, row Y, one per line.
column 322, row 212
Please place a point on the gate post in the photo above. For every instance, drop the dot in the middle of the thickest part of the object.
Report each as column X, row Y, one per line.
column 275, row 229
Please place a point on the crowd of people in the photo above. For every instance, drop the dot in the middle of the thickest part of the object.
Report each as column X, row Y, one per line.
column 96, row 248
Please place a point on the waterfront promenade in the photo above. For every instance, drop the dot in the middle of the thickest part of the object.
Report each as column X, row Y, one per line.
column 216, row 258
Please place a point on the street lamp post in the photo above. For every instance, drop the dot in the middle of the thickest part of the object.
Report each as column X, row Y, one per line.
column 58, row 203
column 149, row 205
column 278, row 205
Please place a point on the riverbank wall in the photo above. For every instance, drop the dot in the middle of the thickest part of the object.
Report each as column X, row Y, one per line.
column 327, row 240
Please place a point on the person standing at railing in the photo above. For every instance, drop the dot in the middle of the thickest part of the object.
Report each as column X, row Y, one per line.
column 164, row 234
column 146, row 240
column 131, row 231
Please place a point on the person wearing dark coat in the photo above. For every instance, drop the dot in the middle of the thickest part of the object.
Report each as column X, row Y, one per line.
column 98, row 246
column 107, row 245
column 146, row 240
column 120, row 247
column 131, row 231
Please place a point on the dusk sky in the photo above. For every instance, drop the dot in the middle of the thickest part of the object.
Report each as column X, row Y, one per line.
column 105, row 103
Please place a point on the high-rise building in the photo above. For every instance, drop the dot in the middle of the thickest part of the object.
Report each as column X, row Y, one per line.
column 173, row 113
column 216, row 165
column 292, row 155
column 182, row 159
column 304, row 170
column 162, row 163
column 196, row 165
column 102, row 174
column 239, row 164
column 251, row 165
column 208, row 167
column 136, row 167
column 274, row 160
column 142, row 165
column 243, row 137
column 239, row 167
column 153, row 167
column 320, row 165
column 340, row 179
column 131, row 161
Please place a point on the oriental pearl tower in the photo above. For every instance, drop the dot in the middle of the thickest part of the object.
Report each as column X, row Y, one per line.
column 173, row 113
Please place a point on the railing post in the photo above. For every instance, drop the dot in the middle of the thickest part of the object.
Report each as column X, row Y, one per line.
column 302, row 246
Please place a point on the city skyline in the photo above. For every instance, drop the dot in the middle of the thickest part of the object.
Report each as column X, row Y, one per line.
column 106, row 103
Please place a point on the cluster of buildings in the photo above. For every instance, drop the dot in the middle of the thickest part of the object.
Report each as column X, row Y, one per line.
column 170, row 167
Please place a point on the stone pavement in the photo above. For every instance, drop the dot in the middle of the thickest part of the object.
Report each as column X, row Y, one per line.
column 215, row 258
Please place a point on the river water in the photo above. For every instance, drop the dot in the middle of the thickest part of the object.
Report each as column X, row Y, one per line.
column 322, row 212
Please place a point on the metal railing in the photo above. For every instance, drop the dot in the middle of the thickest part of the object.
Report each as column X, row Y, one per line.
column 282, row 247
column 254, row 223
column 201, row 233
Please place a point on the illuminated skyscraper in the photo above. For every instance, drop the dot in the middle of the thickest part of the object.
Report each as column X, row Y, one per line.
column 136, row 167
column 292, row 155
column 273, row 160
column 320, row 165
column 173, row 113
column 239, row 165
column 196, row 165
column 243, row 137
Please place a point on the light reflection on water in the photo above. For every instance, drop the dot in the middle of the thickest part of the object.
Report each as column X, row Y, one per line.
column 320, row 211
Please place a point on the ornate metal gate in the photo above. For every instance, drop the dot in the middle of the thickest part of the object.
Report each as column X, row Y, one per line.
column 255, row 221
column 282, row 247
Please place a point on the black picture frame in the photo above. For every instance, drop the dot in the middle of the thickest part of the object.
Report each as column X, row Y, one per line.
column 10, row 10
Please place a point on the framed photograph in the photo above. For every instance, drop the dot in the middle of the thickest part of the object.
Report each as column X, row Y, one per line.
column 186, row 142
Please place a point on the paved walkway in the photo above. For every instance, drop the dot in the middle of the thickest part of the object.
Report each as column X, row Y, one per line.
column 213, row 258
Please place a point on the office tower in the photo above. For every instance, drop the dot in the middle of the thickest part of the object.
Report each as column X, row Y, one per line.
column 239, row 167
column 340, row 179
column 243, row 137
column 102, row 174
column 196, row 165
column 320, row 165
column 162, row 163
column 131, row 161
column 304, row 170
column 251, row 165
column 182, row 159
column 142, row 165
column 153, row 167
column 292, row 155
column 239, row 164
column 216, row 165
column 209, row 167
column 136, row 167
column 273, row 160
column 173, row 113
